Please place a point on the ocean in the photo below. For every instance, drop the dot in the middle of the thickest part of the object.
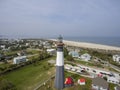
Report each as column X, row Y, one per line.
column 112, row 41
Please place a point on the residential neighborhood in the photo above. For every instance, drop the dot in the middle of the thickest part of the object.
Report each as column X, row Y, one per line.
column 19, row 53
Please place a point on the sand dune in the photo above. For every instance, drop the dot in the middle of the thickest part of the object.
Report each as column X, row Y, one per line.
column 90, row 45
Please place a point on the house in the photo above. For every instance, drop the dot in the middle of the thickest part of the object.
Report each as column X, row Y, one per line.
column 85, row 57
column 81, row 81
column 2, row 46
column 116, row 58
column 19, row 59
column 69, row 82
column 74, row 54
column 46, row 44
column 113, row 80
column 117, row 88
column 51, row 51
column 27, row 44
column 99, row 84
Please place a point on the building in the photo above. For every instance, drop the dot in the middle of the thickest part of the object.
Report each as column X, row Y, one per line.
column 46, row 44
column 2, row 46
column 59, row 77
column 19, row 59
column 113, row 80
column 51, row 51
column 116, row 58
column 85, row 57
column 69, row 82
column 99, row 84
column 74, row 54
column 81, row 81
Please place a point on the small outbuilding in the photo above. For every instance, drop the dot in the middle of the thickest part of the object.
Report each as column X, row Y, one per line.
column 81, row 81
column 69, row 82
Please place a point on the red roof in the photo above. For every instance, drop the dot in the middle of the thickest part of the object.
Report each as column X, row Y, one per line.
column 82, row 80
column 69, row 80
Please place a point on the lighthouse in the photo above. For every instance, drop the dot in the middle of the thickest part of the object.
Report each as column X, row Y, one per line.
column 59, row 77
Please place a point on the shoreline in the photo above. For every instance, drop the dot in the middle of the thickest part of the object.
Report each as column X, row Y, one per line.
column 89, row 45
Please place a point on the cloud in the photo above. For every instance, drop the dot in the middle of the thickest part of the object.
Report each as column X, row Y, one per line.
column 51, row 17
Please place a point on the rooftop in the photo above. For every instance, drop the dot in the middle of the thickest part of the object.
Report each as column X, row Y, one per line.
column 100, row 82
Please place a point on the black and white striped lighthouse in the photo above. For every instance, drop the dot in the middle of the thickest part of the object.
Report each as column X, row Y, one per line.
column 59, row 77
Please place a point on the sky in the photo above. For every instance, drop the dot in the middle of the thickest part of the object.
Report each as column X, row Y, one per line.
column 50, row 18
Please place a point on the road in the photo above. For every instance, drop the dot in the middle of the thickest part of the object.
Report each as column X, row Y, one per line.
column 111, row 65
column 32, row 55
column 114, row 67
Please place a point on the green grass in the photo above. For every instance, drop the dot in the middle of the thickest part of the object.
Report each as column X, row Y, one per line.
column 87, row 86
column 28, row 77
column 111, row 86
column 9, row 53
column 4, row 65
column 111, row 69
column 32, row 51
column 84, row 63
column 50, row 84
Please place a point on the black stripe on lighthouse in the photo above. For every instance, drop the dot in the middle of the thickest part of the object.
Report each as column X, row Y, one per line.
column 59, row 78
column 60, row 48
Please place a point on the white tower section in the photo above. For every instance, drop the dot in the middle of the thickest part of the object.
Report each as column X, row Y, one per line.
column 60, row 59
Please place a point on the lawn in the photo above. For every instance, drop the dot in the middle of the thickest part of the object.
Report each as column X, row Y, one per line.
column 84, row 62
column 29, row 77
column 50, row 84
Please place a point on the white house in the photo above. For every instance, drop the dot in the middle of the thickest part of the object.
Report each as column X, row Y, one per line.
column 81, row 81
column 74, row 54
column 113, row 80
column 19, row 59
column 51, row 51
column 27, row 44
column 116, row 58
column 2, row 46
column 85, row 57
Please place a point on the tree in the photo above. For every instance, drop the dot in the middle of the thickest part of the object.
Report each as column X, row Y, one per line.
column 105, row 78
column 69, row 58
column 65, row 52
column 43, row 55
column 6, row 85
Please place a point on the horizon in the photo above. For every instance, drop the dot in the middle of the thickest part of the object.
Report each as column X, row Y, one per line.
column 53, row 37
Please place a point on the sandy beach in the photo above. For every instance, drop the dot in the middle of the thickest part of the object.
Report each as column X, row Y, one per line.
column 90, row 45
